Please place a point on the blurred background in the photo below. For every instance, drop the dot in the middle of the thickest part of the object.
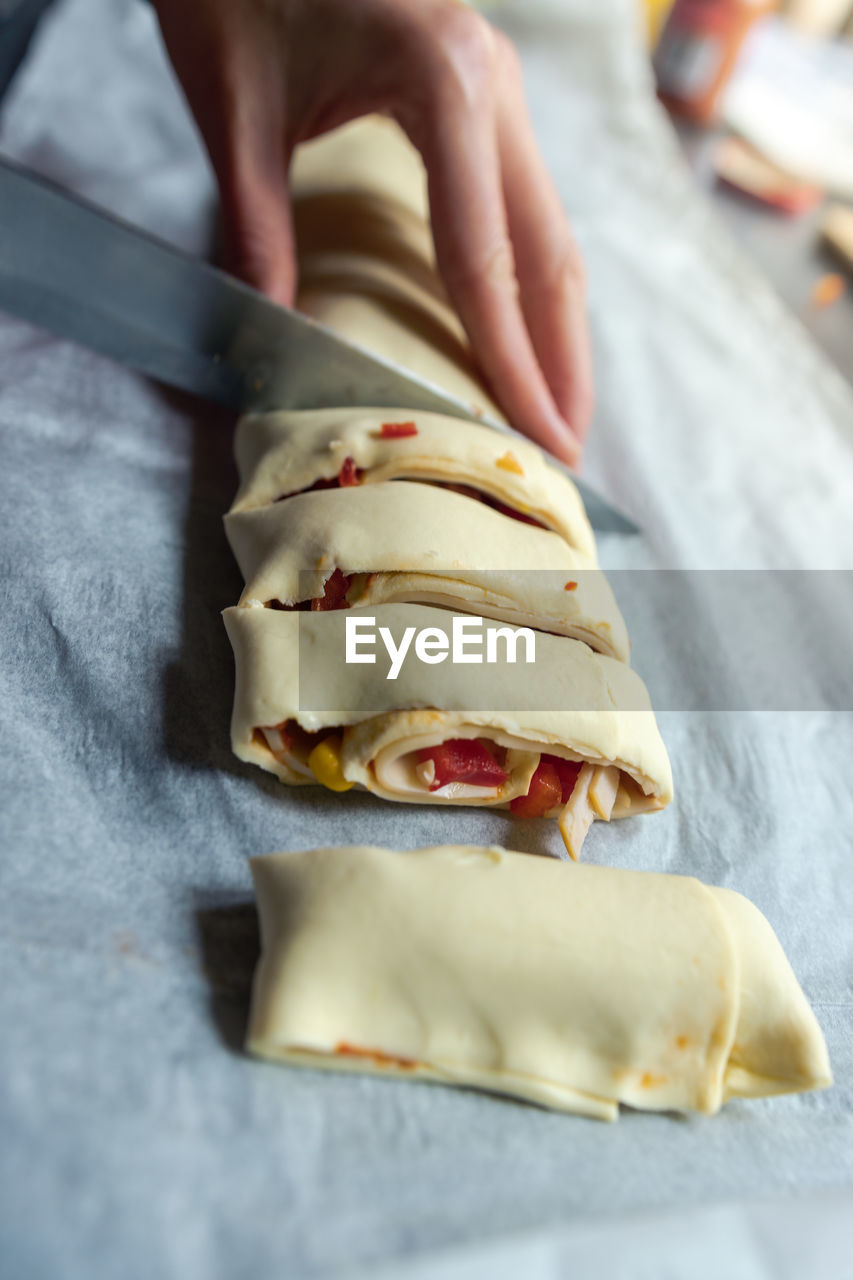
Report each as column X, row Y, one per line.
column 760, row 93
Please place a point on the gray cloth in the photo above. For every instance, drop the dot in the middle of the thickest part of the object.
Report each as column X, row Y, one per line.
column 138, row 1140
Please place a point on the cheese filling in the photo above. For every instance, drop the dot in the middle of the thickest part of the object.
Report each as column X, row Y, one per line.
column 599, row 791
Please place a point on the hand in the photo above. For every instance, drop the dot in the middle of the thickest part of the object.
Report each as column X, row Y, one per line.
column 262, row 76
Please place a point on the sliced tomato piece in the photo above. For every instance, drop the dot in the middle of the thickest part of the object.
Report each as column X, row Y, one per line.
column 397, row 430
column 552, row 784
column 349, row 473
column 545, row 791
column 567, row 771
column 463, row 760
column 335, row 594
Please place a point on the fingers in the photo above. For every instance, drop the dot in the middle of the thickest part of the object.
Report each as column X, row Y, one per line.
column 258, row 238
column 251, row 159
column 459, row 136
column 262, row 75
column 548, row 263
column 231, row 72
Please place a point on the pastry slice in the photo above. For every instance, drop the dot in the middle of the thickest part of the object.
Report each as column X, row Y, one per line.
column 281, row 454
column 569, row 735
column 407, row 541
column 575, row 987
column 366, row 260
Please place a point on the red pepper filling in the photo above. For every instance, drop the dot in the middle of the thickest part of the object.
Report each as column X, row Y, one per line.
column 463, row 760
column 468, row 491
column 376, row 1055
column 397, row 430
column 348, row 475
column 335, row 593
column 552, row 784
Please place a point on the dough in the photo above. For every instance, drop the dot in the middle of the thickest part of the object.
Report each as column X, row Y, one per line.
column 366, row 261
column 424, row 542
column 574, row 987
column 571, row 703
column 285, row 453
column 363, row 513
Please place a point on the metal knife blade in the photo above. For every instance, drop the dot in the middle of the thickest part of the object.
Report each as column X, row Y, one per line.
column 88, row 276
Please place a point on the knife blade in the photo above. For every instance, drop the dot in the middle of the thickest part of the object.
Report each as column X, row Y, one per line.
column 86, row 275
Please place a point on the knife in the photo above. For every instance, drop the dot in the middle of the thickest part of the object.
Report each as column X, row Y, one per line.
column 85, row 275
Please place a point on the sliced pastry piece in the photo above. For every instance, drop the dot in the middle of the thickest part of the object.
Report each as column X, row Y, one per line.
column 369, row 157
column 575, row 987
column 408, row 541
column 366, row 260
column 569, row 735
column 281, row 454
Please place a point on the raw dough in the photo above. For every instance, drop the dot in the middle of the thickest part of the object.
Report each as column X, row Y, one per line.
column 570, row 986
column 366, row 261
column 284, row 453
column 423, row 541
column 571, row 703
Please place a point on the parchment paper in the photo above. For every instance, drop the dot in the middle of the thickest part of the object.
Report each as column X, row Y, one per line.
column 137, row 1139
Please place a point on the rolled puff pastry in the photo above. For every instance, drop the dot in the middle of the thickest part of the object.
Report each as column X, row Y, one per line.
column 571, row 986
column 422, row 542
column 571, row 703
column 285, row 453
column 366, row 259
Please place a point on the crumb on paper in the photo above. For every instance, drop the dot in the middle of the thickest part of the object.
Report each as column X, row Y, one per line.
column 828, row 289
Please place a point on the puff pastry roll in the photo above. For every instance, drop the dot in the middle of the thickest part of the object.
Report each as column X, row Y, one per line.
column 280, row 454
column 577, row 740
column 575, row 987
column 366, row 259
column 406, row 541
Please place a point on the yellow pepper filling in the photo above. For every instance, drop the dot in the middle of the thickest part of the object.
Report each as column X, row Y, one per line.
column 324, row 762
column 509, row 462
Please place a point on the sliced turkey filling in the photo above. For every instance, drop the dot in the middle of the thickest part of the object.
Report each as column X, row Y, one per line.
column 468, row 770
column 313, row 756
column 290, row 744
column 536, row 785
column 350, row 475
column 459, row 769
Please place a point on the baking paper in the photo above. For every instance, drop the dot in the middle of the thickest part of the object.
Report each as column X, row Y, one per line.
column 137, row 1138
